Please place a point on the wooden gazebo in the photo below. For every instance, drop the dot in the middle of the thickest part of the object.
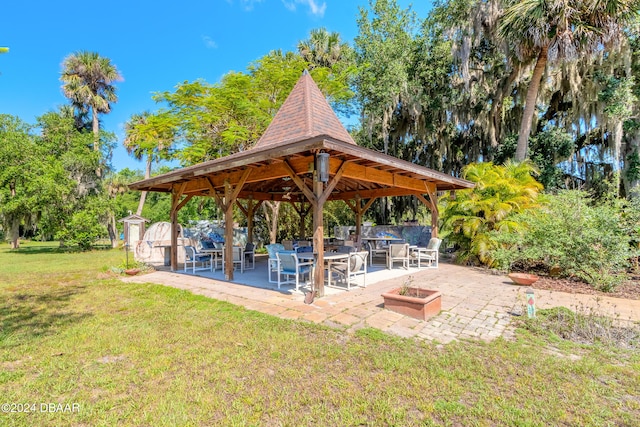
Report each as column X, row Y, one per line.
column 305, row 155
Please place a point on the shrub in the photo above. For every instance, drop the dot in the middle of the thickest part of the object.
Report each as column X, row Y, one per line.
column 591, row 242
column 500, row 192
column 83, row 230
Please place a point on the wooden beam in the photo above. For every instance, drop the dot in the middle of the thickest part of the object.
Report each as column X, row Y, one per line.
column 368, row 204
column 369, row 174
column 276, row 170
column 184, row 202
column 301, row 185
column 435, row 214
column 351, row 205
column 332, row 184
column 432, row 205
column 374, row 193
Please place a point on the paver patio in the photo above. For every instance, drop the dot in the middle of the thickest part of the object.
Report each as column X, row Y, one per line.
column 475, row 304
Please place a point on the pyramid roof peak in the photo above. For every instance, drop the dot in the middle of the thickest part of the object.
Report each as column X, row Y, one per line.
column 305, row 114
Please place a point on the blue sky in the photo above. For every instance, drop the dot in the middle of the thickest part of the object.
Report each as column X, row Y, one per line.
column 154, row 44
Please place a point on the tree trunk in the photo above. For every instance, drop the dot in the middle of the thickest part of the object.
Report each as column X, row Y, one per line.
column 96, row 137
column 530, row 105
column 617, row 146
column 14, row 232
column 96, row 129
column 630, row 177
column 112, row 230
column 271, row 210
column 143, row 195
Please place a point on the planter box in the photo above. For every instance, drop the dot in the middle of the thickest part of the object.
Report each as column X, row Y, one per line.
column 426, row 304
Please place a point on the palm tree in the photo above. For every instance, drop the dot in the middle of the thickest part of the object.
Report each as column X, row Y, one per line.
column 322, row 49
column 149, row 136
column 88, row 82
column 557, row 30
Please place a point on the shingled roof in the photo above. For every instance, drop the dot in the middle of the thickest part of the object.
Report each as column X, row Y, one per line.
column 305, row 114
column 304, row 126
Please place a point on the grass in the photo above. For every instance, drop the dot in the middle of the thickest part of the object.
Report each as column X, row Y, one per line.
column 132, row 354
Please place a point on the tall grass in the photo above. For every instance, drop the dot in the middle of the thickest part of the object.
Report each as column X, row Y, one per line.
column 143, row 354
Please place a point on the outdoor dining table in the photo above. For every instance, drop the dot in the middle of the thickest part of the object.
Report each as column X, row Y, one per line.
column 328, row 257
column 217, row 255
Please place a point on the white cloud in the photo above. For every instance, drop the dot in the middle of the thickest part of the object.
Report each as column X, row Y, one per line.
column 315, row 8
column 248, row 4
column 209, row 42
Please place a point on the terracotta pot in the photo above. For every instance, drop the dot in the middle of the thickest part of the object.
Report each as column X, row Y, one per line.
column 132, row 271
column 419, row 303
column 523, row 279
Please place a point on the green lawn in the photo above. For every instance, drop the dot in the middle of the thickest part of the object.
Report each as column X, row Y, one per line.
column 131, row 354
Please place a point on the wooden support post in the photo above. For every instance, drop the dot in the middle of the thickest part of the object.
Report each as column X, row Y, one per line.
column 317, row 197
column 302, row 213
column 318, row 240
column 175, row 198
column 359, row 211
column 226, row 204
column 228, row 231
column 249, row 212
column 432, row 204
column 253, row 207
column 176, row 205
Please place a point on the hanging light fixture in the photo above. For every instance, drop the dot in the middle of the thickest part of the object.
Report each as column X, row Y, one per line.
column 322, row 166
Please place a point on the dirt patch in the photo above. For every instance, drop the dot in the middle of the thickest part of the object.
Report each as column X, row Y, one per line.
column 627, row 290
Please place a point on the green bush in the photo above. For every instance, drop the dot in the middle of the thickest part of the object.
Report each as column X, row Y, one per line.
column 469, row 219
column 590, row 242
column 83, row 230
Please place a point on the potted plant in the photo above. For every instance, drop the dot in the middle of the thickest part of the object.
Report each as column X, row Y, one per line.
column 413, row 301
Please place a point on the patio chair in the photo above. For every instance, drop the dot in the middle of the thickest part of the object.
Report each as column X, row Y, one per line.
column 273, row 262
column 207, row 244
column 398, row 252
column 304, row 249
column 376, row 250
column 354, row 266
column 288, row 245
column 289, row 265
column 429, row 254
column 238, row 257
column 346, row 249
column 198, row 261
column 250, row 254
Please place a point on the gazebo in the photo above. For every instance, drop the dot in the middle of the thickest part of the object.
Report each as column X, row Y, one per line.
column 305, row 155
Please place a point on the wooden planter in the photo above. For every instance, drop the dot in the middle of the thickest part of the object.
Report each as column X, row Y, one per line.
column 426, row 304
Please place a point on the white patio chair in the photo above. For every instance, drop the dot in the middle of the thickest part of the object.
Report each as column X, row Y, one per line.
column 238, row 257
column 289, row 265
column 428, row 254
column 351, row 268
column 198, row 261
column 398, row 252
column 273, row 264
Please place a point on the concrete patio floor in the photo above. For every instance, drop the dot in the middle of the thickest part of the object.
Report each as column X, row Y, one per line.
column 475, row 304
